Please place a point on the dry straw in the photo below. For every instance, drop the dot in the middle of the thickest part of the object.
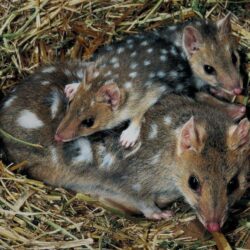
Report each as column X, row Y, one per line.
column 35, row 216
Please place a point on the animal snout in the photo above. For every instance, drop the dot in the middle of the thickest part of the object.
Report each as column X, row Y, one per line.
column 58, row 138
column 237, row 91
column 213, row 226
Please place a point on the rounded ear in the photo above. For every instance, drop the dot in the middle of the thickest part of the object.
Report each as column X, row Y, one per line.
column 70, row 90
column 110, row 94
column 239, row 135
column 224, row 25
column 192, row 40
column 190, row 137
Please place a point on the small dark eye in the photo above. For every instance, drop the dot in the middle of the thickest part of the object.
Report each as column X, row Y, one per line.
column 88, row 122
column 194, row 183
column 209, row 69
column 234, row 58
column 232, row 185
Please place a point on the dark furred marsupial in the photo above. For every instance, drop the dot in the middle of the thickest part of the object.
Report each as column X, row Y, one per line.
column 183, row 59
column 187, row 150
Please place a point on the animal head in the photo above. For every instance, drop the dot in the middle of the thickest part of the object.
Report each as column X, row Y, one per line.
column 90, row 109
column 213, row 57
column 212, row 169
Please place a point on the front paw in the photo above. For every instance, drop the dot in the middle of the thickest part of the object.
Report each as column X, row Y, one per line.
column 167, row 214
column 129, row 136
column 236, row 111
column 70, row 90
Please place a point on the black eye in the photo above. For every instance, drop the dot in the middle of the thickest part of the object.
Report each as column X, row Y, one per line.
column 194, row 183
column 88, row 122
column 232, row 185
column 209, row 69
column 234, row 58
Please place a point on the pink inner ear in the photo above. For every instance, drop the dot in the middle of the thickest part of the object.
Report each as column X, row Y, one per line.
column 242, row 131
column 111, row 94
column 192, row 39
column 187, row 134
column 224, row 25
column 186, row 143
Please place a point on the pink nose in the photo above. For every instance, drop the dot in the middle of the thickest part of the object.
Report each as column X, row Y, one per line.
column 237, row 91
column 213, row 227
column 58, row 138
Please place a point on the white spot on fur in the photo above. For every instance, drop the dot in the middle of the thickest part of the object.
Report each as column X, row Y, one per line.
column 116, row 65
column 150, row 50
column 114, row 60
column 127, row 85
column 163, row 58
column 148, row 83
column 53, row 154
column 28, row 119
column 174, row 51
column 151, row 75
column 133, row 74
column 144, row 43
column 107, row 162
column 133, row 65
column 45, row 83
column 108, row 48
column 106, row 159
column 173, row 74
column 55, row 104
column 163, row 88
column 67, row 72
column 108, row 82
column 167, row 120
column 131, row 46
column 92, row 103
column 133, row 54
column 199, row 83
column 178, row 43
column 156, row 158
column 49, row 69
column 80, row 74
column 108, row 73
column 104, row 65
column 161, row 73
column 85, row 154
column 9, row 101
column 136, row 187
column 146, row 62
column 172, row 28
column 179, row 87
column 120, row 50
column 153, row 131
column 96, row 74
column 164, row 51
column 129, row 41
column 183, row 55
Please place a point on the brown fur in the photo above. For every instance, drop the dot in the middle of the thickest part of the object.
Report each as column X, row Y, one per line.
column 154, row 173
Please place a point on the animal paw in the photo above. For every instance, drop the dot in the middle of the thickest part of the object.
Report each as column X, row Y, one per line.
column 70, row 90
column 236, row 111
column 161, row 215
column 129, row 136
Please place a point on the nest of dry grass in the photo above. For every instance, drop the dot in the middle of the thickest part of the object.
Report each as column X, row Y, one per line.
column 35, row 216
